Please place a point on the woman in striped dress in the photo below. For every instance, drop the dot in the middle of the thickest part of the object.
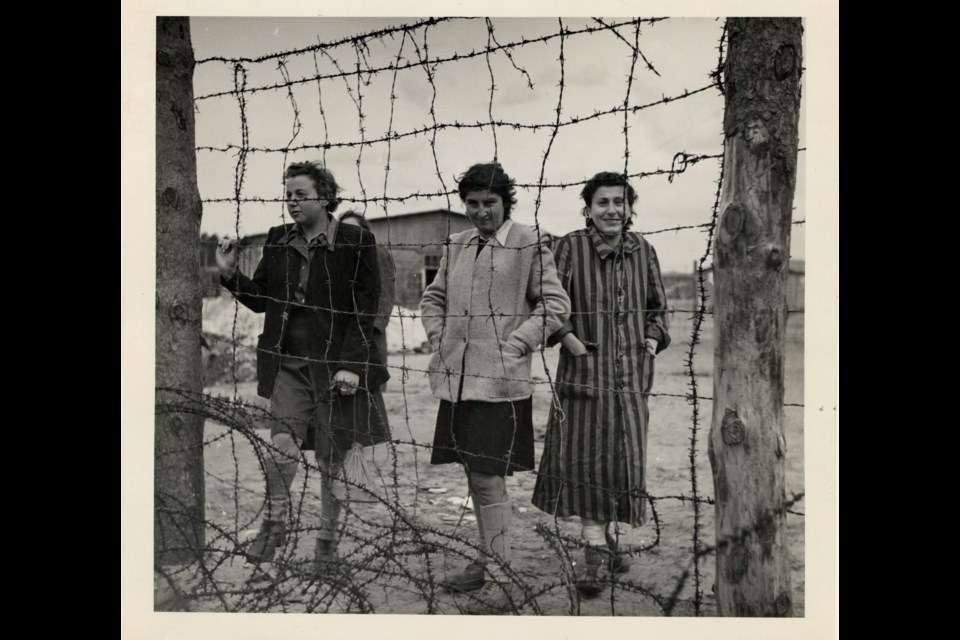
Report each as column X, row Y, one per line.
column 594, row 459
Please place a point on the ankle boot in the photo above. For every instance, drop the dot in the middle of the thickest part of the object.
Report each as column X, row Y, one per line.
column 325, row 559
column 271, row 536
column 273, row 529
column 621, row 561
column 593, row 579
column 470, row 579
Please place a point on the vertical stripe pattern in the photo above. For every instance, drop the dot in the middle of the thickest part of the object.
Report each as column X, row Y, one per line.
column 594, row 459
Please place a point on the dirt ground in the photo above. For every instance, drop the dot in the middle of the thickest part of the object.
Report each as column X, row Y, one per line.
column 398, row 552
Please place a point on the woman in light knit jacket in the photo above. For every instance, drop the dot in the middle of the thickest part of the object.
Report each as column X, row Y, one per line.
column 494, row 301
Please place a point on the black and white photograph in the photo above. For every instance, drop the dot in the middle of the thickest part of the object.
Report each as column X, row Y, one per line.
column 480, row 315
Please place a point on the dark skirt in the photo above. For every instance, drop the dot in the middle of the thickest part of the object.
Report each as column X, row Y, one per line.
column 345, row 420
column 489, row 437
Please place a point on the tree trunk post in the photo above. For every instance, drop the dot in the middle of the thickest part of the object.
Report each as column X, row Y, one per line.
column 178, row 437
column 747, row 446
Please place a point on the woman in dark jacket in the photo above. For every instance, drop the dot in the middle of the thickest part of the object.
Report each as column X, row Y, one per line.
column 317, row 361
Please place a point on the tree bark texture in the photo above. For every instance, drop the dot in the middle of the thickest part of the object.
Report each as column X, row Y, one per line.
column 178, row 436
column 752, row 256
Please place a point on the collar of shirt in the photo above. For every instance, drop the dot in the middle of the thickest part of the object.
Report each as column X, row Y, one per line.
column 629, row 241
column 295, row 235
column 500, row 236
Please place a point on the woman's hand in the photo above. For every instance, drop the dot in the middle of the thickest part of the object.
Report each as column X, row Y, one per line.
column 651, row 346
column 346, row 382
column 506, row 344
column 572, row 344
column 227, row 256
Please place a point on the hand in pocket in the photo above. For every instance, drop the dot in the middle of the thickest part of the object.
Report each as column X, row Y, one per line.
column 509, row 348
column 649, row 361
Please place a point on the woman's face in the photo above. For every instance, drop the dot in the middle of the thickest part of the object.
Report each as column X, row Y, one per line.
column 485, row 211
column 303, row 202
column 610, row 210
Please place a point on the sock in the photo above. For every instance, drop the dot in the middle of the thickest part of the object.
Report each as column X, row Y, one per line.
column 282, row 463
column 593, row 532
column 331, row 493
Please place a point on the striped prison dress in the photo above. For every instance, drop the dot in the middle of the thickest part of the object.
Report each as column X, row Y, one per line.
column 594, row 459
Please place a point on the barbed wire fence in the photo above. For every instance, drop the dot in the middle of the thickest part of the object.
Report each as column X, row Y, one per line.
column 400, row 534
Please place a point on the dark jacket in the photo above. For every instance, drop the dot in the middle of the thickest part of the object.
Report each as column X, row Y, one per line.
column 342, row 295
column 388, row 287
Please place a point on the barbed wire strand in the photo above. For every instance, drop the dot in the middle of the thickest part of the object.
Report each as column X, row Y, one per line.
column 620, row 345
column 323, row 114
column 395, row 471
column 436, row 62
column 369, row 525
column 635, row 47
column 403, row 339
column 689, row 160
column 240, row 81
column 493, row 86
column 694, row 402
column 377, row 34
column 457, row 125
column 424, row 63
column 557, row 415
column 509, row 55
column 406, row 370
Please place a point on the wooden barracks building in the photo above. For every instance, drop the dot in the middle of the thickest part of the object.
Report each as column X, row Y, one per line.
column 416, row 241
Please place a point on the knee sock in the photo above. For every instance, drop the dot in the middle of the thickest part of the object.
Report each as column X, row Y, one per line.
column 593, row 532
column 282, row 462
column 331, row 494
column 493, row 513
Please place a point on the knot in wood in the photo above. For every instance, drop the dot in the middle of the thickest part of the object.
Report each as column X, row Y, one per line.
column 732, row 428
column 732, row 223
column 775, row 258
column 179, row 312
column 782, row 604
column 755, row 132
column 735, row 568
column 170, row 198
column 178, row 117
column 785, row 62
column 767, row 529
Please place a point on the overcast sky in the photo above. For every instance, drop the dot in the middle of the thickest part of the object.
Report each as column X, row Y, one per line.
column 595, row 71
